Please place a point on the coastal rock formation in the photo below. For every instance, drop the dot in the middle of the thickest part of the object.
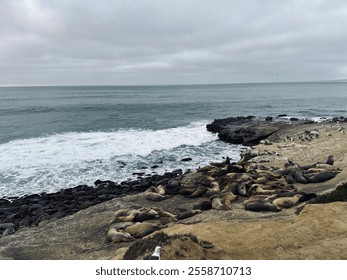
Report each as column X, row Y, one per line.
column 247, row 131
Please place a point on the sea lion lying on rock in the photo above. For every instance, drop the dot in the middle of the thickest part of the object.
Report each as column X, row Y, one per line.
column 113, row 235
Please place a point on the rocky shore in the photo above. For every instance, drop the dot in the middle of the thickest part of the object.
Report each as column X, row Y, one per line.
column 289, row 164
column 38, row 209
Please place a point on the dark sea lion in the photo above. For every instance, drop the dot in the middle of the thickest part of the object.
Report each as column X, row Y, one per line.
column 188, row 214
column 299, row 178
column 204, row 205
column 143, row 216
column 289, row 179
column 322, row 177
column 115, row 236
column 260, row 206
column 307, row 196
column 330, row 160
column 242, row 188
column 306, row 167
column 199, row 192
column 187, row 190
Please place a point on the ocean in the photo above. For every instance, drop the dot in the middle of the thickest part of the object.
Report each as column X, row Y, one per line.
column 57, row 137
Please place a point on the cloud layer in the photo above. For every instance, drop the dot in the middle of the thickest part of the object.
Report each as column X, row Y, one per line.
column 63, row 42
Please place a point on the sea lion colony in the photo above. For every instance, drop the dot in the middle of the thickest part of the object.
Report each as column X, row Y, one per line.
column 258, row 187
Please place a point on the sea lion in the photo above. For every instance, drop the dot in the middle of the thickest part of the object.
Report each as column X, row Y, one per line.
column 262, row 206
column 231, row 186
column 215, row 186
column 289, row 179
column 322, row 177
column 163, row 213
column 307, row 196
column 152, row 189
column 227, row 198
column 199, row 192
column 204, row 205
column 218, row 204
column 155, row 196
column 188, row 214
column 261, row 180
column 242, row 188
column 143, row 216
column 260, row 197
column 125, row 215
column 299, row 178
column 326, row 167
column 140, row 230
column 161, row 189
column 289, row 194
column 166, row 220
column 115, row 236
column 126, row 212
column 286, row 202
column 330, row 160
column 121, row 225
column 187, row 190
column 258, row 189
column 129, row 218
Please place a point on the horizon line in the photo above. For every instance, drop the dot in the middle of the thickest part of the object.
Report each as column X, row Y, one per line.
column 163, row 85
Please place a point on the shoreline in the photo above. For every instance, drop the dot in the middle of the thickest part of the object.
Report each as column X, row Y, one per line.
column 276, row 154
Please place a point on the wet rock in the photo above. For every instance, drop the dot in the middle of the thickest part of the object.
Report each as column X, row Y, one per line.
column 246, row 131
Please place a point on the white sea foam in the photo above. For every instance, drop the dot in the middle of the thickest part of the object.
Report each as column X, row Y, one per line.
column 49, row 163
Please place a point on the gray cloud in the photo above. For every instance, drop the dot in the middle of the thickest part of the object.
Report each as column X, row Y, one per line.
column 168, row 42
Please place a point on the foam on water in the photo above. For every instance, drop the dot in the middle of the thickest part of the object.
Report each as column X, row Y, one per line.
column 50, row 163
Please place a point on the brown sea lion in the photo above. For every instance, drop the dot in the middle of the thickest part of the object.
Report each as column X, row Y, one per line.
column 140, row 230
column 217, row 204
column 155, row 196
column 115, row 236
column 121, row 225
column 286, row 202
column 163, row 213
column 199, row 192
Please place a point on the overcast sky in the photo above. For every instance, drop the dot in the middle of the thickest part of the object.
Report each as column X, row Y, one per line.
column 120, row 42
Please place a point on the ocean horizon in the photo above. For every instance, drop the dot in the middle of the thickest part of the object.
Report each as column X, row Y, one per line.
column 54, row 137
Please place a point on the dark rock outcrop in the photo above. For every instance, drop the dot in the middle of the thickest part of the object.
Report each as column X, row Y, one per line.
column 247, row 131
